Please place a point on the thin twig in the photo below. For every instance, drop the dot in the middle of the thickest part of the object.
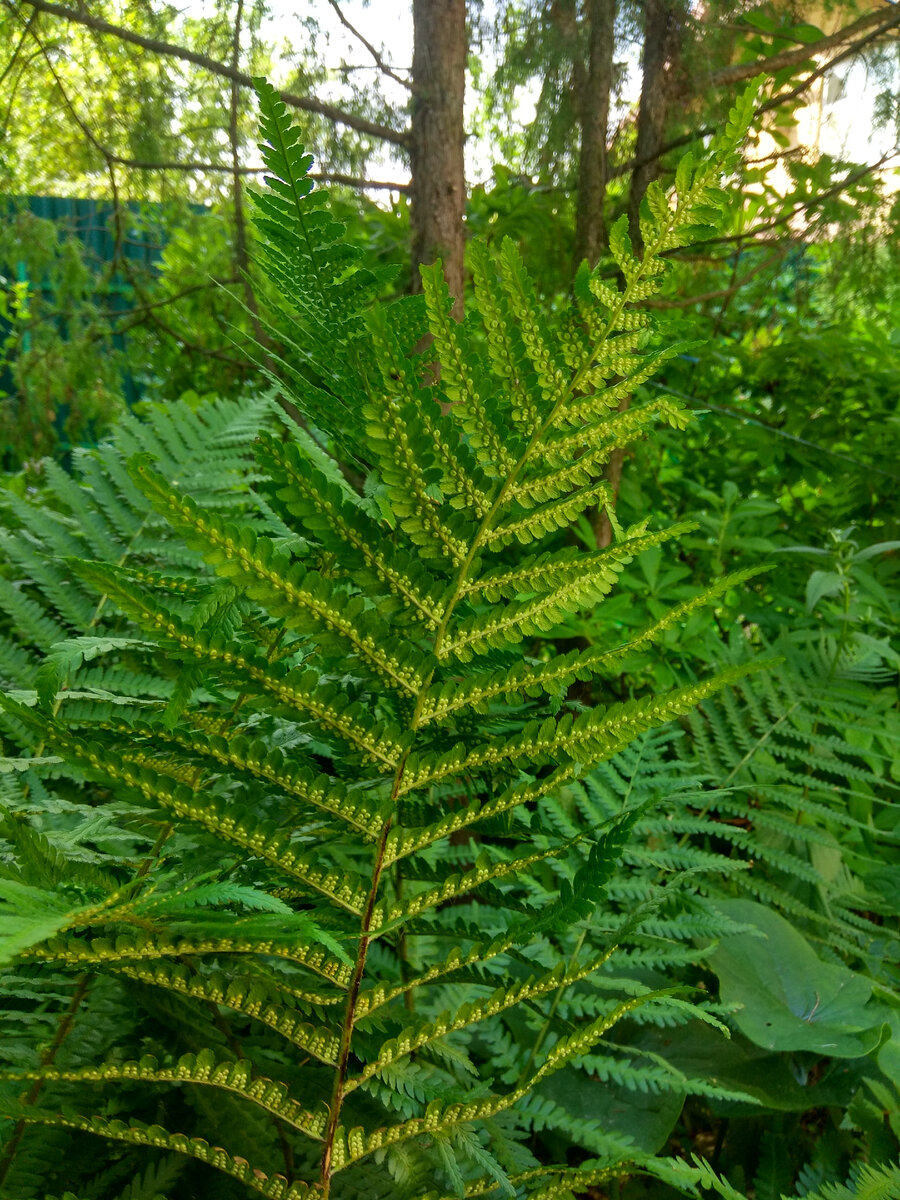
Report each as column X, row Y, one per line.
column 379, row 61
column 834, row 190
column 729, row 76
column 330, row 111
column 112, row 314
column 19, row 44
column 188, row 165
column 775, row 101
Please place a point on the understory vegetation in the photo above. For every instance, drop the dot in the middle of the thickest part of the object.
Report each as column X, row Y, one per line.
column 373, row 826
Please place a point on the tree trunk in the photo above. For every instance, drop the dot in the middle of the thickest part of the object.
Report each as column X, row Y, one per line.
column 438, row 188
column 663, row 22
column 590, row 230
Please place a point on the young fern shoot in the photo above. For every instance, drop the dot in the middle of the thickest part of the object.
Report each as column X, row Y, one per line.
column 373, row 719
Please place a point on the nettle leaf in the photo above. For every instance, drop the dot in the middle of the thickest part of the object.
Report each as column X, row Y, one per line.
column 333, row 714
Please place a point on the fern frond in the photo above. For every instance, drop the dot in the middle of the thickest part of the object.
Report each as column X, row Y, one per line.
column 113, row 952
column 179, row 978
column 587, row 739
column 867, row 1182
column 553, row 677
column 463, row 381
column 342, row 527
column 236, row 826
column 300, row 598
column 298, row 688
column 473, row 1012
column 260, row 761
column 547, row 1183
column 533, row 523
column 202, row 1068
column 251, row 998
column 572, row 583
column 277, row 695
column 440, row 1118
column 504, row 340
column 321, row 278
column 154, row 1136
column 387, row 913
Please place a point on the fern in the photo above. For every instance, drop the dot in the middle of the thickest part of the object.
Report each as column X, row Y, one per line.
column 865, row 1183
column 356, row 858
column 808, row 764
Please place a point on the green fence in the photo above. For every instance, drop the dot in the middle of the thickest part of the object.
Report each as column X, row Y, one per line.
column 115, row 243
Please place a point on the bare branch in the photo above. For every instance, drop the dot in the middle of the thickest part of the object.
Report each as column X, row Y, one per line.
column 13, row 58
column 330, row 111
column 729, row 76
column 112, row 314
column 352, row 181
column 849, row 52
column 379, row 61
column 767, row 226
column 722, row 293
column 110, row 157
column 779, row 98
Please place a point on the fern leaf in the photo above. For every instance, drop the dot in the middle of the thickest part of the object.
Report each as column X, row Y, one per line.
column 263, row 762
column 507, row 350
column 301, row 599
column 98, row 951
column 587, row 739
column 573, row 583
column 32, row 624
column 238, row 827
column 440, row 1118
column 250, row 998
column 386, row 914
column 551, row 377
column 163, row 974
column 28, row 916
column 473, row 1012
column 560, row 672
column 312, row 497
column 299, row 689
column 202, row 1068
column 154, row 1136
column 867, row 1182
column 528, row 526
column 461, row 380
column 66, row 657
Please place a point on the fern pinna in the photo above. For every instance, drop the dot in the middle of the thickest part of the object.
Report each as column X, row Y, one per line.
column 362, row 739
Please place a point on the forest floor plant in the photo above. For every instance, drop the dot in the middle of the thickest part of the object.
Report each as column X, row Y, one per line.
column 341, row 879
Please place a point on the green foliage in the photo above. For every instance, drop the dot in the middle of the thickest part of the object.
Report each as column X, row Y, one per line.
column 866, row 1183
column 59, row 365
column 318, row 789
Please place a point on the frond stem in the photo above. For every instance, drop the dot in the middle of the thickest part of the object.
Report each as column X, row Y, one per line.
column 757, row 745
column 65, row 1026
column 340, row 1077
column 63, row 1029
